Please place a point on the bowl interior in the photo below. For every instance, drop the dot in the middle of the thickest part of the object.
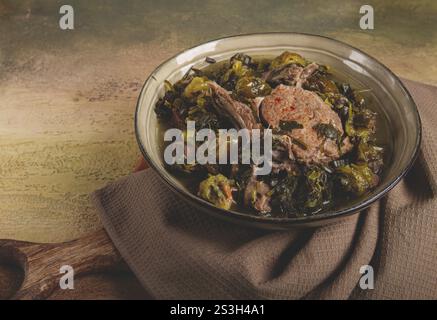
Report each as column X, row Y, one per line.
column 399, row 124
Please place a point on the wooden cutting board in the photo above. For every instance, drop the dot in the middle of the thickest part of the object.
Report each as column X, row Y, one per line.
column 41, row 263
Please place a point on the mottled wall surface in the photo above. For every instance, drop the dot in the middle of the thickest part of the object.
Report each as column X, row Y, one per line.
column 67, row 97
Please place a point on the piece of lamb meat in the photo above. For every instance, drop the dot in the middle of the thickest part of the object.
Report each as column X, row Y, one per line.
column 239, row 113
column 306, row 73
column 254, row 105
column 256, row 195
column 307, row 109
column 293, row 75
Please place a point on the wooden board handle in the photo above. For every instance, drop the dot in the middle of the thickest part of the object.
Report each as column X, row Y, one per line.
column 42, row 262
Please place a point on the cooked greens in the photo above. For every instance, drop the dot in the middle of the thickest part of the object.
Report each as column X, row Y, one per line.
column 217, row 189
column 324, row 146
column 289, row 125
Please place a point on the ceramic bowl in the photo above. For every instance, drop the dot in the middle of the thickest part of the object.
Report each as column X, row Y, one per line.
column 399, row 125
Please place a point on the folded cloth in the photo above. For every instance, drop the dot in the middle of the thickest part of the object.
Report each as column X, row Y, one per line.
column 179, row 253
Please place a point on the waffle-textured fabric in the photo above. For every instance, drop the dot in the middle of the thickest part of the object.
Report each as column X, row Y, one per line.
column 179, row 253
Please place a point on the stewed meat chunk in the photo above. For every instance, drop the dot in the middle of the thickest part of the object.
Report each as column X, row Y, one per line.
column 315, row 131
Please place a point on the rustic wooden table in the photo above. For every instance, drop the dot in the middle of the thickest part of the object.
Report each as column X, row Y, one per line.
column 67, row 98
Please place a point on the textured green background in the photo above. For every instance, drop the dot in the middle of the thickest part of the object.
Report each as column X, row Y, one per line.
column 67, row 97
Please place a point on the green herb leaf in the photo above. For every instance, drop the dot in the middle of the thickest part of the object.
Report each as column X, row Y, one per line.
column 289, row 125
column 327, row 130
column 299, row 143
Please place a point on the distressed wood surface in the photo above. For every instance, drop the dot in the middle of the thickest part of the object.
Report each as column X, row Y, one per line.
column 67, row 98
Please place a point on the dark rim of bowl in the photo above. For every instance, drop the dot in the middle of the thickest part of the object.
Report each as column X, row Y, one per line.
column 287, row 220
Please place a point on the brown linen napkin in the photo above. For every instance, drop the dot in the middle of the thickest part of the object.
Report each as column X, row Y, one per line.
column 179, row 253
